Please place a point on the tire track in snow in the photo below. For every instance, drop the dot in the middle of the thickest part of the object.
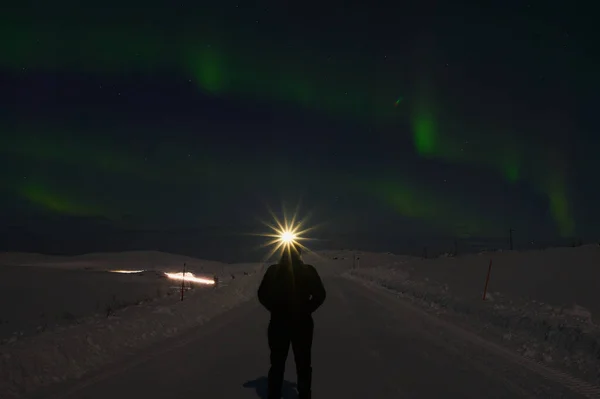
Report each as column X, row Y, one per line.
column 357, row 332
column 444, row 345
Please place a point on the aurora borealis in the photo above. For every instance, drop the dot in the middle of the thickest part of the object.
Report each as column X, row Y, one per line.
column 440, row 120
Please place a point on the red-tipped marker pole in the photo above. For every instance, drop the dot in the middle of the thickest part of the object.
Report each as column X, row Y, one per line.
column 487, row 280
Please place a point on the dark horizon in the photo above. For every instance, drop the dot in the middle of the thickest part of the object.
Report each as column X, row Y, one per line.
column 233, row 246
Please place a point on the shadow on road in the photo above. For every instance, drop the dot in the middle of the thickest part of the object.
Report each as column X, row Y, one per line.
column 260, row 385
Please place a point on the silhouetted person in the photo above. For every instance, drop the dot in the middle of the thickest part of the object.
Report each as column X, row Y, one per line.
column 291, row 290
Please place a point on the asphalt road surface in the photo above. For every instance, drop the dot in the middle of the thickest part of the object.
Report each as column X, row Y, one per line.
column 368, row 344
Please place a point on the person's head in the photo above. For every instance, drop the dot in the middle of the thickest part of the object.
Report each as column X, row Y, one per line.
column 291, row 254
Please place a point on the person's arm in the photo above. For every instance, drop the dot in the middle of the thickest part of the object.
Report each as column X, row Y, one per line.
column 318, row 293
column 265, row 290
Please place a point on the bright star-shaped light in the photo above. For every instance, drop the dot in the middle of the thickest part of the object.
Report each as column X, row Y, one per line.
column 287, row 235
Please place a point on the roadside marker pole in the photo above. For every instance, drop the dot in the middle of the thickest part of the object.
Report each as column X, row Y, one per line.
column 487, row 280
column 183, row 282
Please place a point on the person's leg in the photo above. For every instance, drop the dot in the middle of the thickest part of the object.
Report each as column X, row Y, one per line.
column 302, row 337
column 279, row 345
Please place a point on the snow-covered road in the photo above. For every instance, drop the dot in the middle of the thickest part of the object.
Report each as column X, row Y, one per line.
column 368, row 344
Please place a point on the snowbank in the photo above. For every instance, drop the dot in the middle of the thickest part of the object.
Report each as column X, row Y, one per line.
column 544, row 304
column 69, row 351
column 149, row 260
column 39, row 292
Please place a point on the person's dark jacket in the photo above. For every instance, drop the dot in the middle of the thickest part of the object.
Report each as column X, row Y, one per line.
column 291, row 290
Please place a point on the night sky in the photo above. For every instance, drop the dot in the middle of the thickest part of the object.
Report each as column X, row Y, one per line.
column 176, row 125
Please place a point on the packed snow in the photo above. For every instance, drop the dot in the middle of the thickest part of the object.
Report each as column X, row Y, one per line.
column 63, row 316
column 368, row 343
column 545, row 304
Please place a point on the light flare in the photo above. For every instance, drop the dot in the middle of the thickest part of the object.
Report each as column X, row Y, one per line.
column 287, row 234
column 126, row 271
column 189, row 277
column 287, row 237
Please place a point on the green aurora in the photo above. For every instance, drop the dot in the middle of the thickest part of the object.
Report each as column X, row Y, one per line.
column 219, row 62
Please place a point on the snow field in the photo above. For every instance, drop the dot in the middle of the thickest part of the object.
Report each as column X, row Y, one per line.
column 544, row 304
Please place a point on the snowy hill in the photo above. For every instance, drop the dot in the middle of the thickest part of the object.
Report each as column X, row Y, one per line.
column 57, row 290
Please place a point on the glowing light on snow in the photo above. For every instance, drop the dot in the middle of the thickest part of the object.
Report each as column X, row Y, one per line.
column 126, row 271
column 189, row 277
